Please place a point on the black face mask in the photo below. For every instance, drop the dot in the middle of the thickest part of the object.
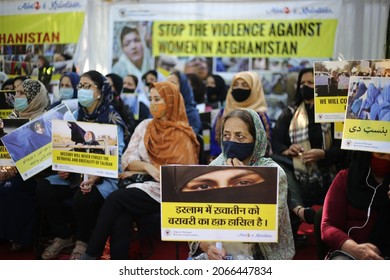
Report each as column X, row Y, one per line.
column 307, row 92
column 237, row 150
column 240, row 94
column 128, row 90
column 212, row 94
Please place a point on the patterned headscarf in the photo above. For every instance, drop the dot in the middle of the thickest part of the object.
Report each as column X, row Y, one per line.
column 255, row 101
column 37, row 99
column 104, row 111
column 172, row 140
column 284, row 248
column 257, row 158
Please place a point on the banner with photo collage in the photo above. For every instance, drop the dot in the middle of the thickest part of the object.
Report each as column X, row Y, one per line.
column 40, row 28
column 276, row 40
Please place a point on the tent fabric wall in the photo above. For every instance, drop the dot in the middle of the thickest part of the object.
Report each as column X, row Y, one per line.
column 361, row 33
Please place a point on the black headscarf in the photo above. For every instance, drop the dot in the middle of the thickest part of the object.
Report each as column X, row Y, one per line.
column 117, row 81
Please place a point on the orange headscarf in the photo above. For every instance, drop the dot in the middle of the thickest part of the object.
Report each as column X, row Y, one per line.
column 171, row 141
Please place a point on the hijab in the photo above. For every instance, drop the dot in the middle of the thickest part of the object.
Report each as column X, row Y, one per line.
column 118, row 83
column 255, row 101
column 74, row 80
column 283, row 249
column 104, row 111
column 220, row 87
column 257, row 158
column 172, row 140
column 37, row 99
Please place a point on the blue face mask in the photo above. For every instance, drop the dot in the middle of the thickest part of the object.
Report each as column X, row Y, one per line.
column 237, row 150
column 66, row 93
column 20, row 104
column 85, row 97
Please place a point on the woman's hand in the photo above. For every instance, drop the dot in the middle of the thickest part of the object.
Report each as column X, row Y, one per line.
column 126, row 174
column 153, row 171
column 63, row 175
column 234, row 162
column 367, row 251
column 294, row 150
column 313, row 155
column 363, row 251
column 138, row 166
column 213, row 253
column 86, row 185
column 7, row 172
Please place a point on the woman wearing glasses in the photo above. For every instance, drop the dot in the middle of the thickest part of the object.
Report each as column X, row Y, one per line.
column 95, row 97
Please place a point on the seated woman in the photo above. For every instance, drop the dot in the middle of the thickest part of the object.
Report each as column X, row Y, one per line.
column 356, row 212
column 125, row 111
column 135, row 98
column 17, row 197
column 244, row 143
column 308, row 153
column 165, row 139
column 68, row 90
column 95, row 96
column 246, row 91
column 183, row 83
column 215, row 91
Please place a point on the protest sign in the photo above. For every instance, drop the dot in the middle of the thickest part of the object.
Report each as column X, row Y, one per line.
column 6, row 126
column 332, row 80
column 219, row 203
column 86, row 148
column 30, row 144
column 367, row 119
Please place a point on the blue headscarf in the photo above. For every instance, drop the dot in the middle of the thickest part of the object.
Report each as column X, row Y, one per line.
column 188, row 96
column 74, row 80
